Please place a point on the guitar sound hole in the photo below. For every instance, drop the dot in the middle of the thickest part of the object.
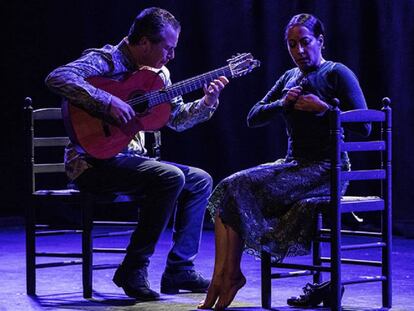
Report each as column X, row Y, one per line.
column 141, row 107
column 138, row 102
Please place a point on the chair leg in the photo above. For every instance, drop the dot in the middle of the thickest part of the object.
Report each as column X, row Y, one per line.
column 266, row 280
column 316, row 253
column 30, row 252
column 87, row 260
column 336, row 255
column 336, row 295
column 386, row 262
column 386, row 294
column 387, row 283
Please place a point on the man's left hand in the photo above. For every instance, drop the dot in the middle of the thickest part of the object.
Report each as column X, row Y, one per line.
column 212, row 91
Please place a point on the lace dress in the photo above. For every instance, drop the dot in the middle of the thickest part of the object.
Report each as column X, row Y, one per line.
column 265, row 205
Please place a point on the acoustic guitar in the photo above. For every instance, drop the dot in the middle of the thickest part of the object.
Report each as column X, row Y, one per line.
column 145, row 91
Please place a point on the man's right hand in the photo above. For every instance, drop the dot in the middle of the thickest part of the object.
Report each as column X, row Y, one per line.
column 120, row 111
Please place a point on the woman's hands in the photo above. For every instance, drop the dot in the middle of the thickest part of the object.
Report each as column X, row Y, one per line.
column 311, row 103
column 308, row 102
column 292, row 96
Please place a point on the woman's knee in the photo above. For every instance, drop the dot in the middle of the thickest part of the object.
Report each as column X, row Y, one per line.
column 237, row 178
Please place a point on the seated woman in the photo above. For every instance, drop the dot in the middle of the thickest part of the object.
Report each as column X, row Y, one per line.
column 256, row 207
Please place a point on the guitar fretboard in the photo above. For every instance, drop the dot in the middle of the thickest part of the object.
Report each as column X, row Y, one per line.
column 181, row 88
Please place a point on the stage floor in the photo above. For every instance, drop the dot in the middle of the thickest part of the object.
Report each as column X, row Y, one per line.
column 60, row 288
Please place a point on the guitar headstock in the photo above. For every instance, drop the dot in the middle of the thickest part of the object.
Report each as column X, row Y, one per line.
column 242, row 64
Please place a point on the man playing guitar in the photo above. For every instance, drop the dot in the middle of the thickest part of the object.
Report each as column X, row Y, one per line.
column 142, row 55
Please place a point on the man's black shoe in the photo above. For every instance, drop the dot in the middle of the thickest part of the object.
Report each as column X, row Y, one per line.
column 135, row 283
column 313, row 295
column 172, row 282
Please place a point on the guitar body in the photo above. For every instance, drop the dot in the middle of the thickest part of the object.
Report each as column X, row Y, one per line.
column 102, row 139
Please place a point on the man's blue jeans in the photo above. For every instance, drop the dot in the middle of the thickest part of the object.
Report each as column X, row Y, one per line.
column 165, row 186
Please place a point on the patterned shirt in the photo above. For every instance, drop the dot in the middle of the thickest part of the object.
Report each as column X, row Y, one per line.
column 113, row 62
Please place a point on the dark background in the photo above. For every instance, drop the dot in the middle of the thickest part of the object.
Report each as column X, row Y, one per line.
column 373, row 38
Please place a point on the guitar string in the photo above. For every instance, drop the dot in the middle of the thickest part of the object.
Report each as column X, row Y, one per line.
column 190, row 83
column 164, row 93
column 154, row 95
column 227, row 68
column 175, row 87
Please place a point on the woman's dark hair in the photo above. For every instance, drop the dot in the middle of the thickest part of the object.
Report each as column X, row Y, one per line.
column 150, row 23
column 306, row 20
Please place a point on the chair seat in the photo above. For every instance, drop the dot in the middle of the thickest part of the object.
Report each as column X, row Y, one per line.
column 361, row 204
column 348, row 203
column 63, row 192
column 116, row 197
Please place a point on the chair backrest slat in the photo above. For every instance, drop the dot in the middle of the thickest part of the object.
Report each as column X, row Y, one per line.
column 44, row 152
column 47, row 114
column 362, row 115
column 50, row 141
column 378, row 166
column 49, row 168
column 363, row 175
column 363, row 146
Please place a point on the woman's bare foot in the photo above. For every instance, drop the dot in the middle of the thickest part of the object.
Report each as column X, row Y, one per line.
column 212, row 293
column 229, row 290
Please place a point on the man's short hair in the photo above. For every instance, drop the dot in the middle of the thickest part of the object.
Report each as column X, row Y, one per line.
column 150, row 23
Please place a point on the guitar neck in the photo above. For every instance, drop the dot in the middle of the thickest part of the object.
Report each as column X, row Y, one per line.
column 184, row 87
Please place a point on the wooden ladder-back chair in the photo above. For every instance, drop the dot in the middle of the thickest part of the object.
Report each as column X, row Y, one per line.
column 62, row 196
column 336, row 205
